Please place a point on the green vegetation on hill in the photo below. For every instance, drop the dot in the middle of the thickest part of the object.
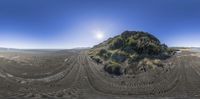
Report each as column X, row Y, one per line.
column 130, row 50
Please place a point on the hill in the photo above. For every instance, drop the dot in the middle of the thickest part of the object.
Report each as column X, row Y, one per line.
column 131, row 52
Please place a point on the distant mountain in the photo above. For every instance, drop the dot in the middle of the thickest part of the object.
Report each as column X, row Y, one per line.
column 130, row 53
column 28, row 50
column 81, row 48
column 8, row 49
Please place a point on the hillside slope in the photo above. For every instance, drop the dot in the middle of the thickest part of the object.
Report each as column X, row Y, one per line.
column 131, row 52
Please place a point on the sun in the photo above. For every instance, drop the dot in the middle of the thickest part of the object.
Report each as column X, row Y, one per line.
column 99, row 35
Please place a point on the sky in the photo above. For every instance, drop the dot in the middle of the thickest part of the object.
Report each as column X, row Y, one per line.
column 63, row 24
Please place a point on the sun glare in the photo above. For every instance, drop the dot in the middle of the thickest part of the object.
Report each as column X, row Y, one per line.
column 99, row 35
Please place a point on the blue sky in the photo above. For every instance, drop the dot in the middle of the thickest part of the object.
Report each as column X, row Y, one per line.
column 74, row 23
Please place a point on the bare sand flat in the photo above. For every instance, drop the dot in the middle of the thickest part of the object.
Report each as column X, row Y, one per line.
column 73, row 75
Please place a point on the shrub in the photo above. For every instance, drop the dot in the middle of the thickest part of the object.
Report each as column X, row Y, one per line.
column 133, row 58
column 107, row 55
column 119, row 56
column 129, row 49
column 96, row 59
column 130, row 45
column 131, row 42
column 171, row 51
column 153, row 49
column 158, row 63
column 113, row 68
column 104, row 54
column 146, row 64
column 102, row 51
column 117, row 43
